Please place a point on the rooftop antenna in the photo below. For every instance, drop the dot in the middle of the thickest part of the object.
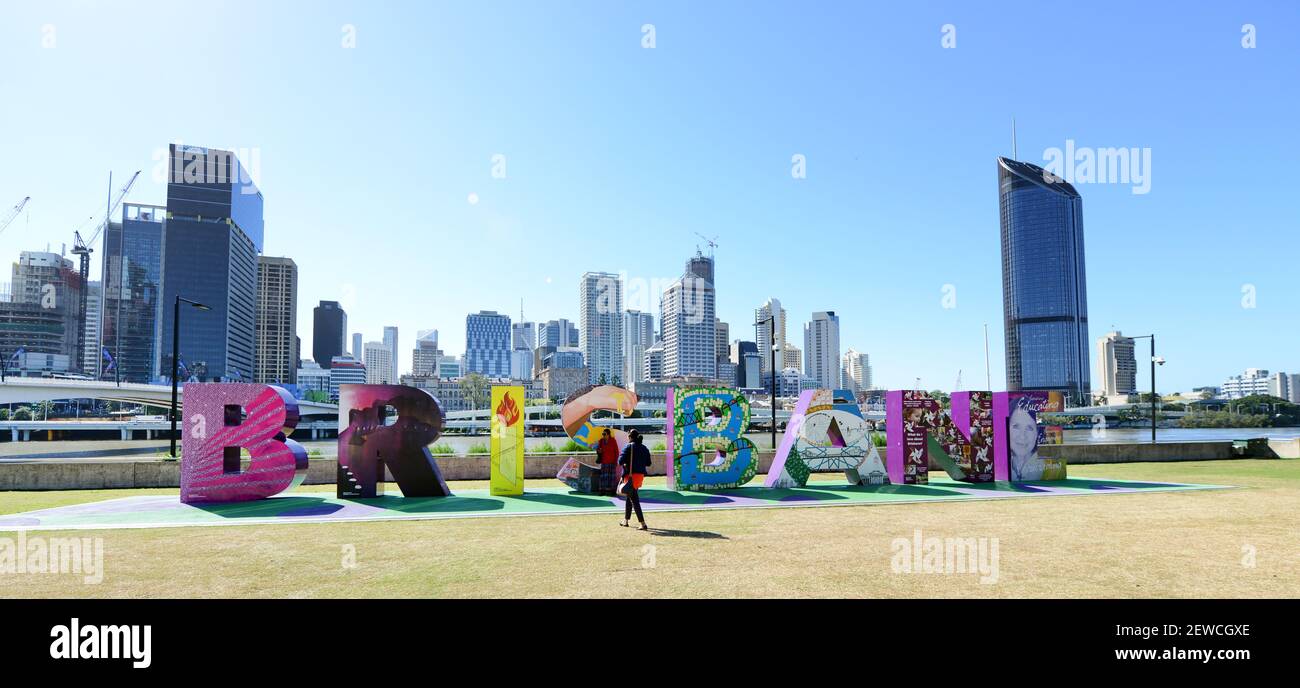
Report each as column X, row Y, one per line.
column 1014, row 154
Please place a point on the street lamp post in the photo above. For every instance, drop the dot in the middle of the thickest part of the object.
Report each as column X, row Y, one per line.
column 1154, row 362
column 771, row 341
column 176, row 346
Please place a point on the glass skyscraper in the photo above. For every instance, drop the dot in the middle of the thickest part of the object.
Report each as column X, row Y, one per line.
column 213, row 236
column 132, row 294
column 487, row 344
column 1044, row 290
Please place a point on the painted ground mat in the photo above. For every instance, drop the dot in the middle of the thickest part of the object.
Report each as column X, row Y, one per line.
column 166, row 511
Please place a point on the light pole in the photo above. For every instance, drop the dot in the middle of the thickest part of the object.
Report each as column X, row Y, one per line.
column 771, row 341
column 176, row 358
column 1154, row 362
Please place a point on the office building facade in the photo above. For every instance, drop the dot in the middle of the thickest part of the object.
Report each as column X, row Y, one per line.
column 277, row 320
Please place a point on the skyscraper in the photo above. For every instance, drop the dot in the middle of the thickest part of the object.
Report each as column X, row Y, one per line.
column 211, row 240
column 1044, row 288
column 523, row 339
column 638, row 335
column 487, row 344
column 600, row 326
column 356, row 344
column 329, row 331
column 557, row 333
column 132, row 277
column 1116, row 366
column 390, row 341
column 424, row 358
column 857, row 371
column 277, row 320
column 90, row 356
column 821, row 347
column 42, row 314
column 763, row 334
column 687, row 313
column 379, row 364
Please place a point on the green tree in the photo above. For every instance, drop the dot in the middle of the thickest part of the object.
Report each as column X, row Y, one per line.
column 475, row 388
column 22, row 413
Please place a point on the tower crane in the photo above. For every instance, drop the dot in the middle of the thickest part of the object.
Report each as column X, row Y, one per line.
column 13, row 213
column 84, row 249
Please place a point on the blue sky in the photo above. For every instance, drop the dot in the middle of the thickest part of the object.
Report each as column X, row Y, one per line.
column 617, row 155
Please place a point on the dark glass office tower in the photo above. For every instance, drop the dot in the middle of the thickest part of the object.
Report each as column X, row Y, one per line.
column 210, row 245
column 329, row 332
column 132, row 294
column 1044, row 290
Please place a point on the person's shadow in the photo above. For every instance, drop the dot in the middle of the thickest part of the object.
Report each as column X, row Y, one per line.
column 699, row 534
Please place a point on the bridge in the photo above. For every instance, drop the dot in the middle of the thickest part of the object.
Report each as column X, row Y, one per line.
column 26, row 390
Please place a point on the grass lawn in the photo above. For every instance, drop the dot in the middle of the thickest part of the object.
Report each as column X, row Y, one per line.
column 1212, row 543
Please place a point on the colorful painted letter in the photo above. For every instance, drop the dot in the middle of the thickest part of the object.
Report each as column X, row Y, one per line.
column 702, row 421
column 222, row 421
column 826, row 433
column 575, row 416
column 919, row 430
column 507, row 458
column 1019, row 434
column 367, row 445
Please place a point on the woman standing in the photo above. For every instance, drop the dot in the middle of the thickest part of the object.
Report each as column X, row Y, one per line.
column 635, row 462
column 607, row 459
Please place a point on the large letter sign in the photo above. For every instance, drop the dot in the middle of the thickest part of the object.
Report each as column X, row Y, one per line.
column 702, row 420
column 222, row 421
column 919, row 430
column 367, row 445
column 1019, row 433
column 507, row 450
column 826, row 433
column 575, row 416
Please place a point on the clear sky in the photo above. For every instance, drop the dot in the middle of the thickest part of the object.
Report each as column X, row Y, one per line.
column 617, row 155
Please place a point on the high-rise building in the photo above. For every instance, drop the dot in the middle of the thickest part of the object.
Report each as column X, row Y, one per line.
column 638, row 335
column 600, row 326
column 90, row 356
column 723, row 340
column 791, row 358
column 821, row 347
column 857, row 371
column 277, row 320
column 345, row 370
column 40, row 315
column 390, row 341
column 379, row 364
column 211, row 240
column 557, row 333
column 653, row 367
column 329, row 332
column 356, row 344
column 487, row 344
column 1295, row 388
column 1044, row 285
column 687, row 313
column 1279, row 385
column 523, row 339
column 450, row 367
column 763, row 334
column 132, row 304
column 1116, row 367
column 424, row 358
column 744, row 355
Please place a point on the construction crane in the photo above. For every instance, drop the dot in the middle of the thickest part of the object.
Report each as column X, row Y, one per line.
column 9, row 216
column 713, row 243
column 84, row 249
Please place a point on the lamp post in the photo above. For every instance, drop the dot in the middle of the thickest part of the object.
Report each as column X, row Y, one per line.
column 176, row 345
column 1154, row 361
column 771, row 341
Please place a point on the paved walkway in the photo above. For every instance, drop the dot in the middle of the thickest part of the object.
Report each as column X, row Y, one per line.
column 164, row 511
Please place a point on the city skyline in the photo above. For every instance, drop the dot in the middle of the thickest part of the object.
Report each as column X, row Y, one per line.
column 560, row 188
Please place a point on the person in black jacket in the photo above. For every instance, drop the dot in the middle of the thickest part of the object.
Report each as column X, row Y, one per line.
column 636, row 463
